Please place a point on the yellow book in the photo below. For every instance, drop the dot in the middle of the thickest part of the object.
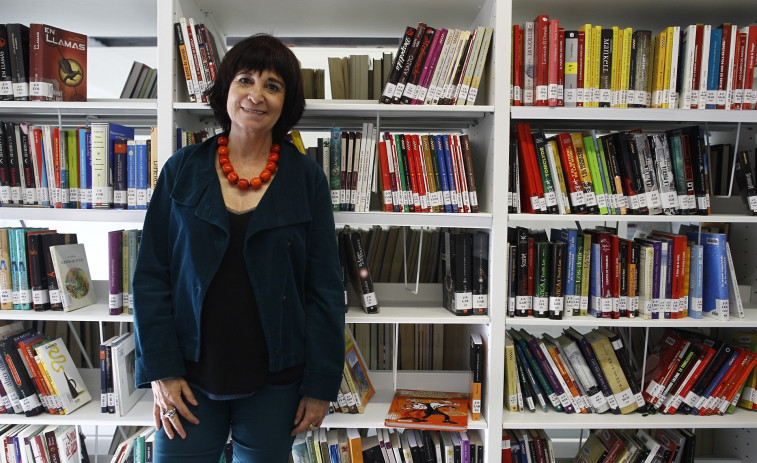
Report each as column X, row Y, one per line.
column 511, row 375
column 686, row 281
column 666, row 85
column 625, row 73
column 585, row 275
column 658, row 72
column 297, row 140
column 584, row 94
column 554, row 158
column 617, row 380
column 615, row 67
column 596, row 51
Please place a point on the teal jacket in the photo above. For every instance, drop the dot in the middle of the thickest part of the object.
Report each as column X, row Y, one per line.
column 292, row 260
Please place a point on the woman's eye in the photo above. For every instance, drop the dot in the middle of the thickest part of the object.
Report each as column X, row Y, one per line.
column 273, row 87
column 244, row 80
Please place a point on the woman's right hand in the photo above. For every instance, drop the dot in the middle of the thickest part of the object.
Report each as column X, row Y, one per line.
column 169, row 405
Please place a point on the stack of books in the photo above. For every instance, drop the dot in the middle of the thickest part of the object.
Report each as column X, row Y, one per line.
column 594, row 372
column 533, row 445
column 356, row 389
column 141, row 82
column 118, row 391
column 101, row 166
column 699, row 66
column 672, row 445
column 123, row 246
column 617, row 173
column 44, row 442
column 438, row 66
column 596, row 272
column 42, row 63
column 198, row 57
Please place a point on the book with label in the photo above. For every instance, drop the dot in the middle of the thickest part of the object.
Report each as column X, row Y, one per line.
column 63, row 374
column 73, row 277
column 430, row 410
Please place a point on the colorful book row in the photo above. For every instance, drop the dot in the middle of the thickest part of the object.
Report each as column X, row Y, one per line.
column 438, row 66
column 695, row 67
column 101, row 166
column 617, row 173
column 595, row 272
column 593, row 372
column 55, row 442
column 198, row 56
column 123, row 246
column 117, row 392
column 666, row 445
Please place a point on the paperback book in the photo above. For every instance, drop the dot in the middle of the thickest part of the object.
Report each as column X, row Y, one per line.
column 433, row 410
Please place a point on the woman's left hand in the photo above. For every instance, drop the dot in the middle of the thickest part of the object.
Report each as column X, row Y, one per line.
column 310, row 414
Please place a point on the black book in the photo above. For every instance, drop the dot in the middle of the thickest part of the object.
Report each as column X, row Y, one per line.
column 18, row 40
column 722, row 352
column 634, row 179
column 37, row 266
column 412, row 55
column 457, row 259
column 513, row 199
column 399, row 63
column 559, row 255
column 47, row 240
column 480, row 276
column 522, row 296
column 6, row 75
column 5, row 181
column 360, row 275
column 548, row 183
column 14, row 164
column 417, row 68
column 27, row 394
column 605, row 69
column 371, row 450
column 27, row 165
column 744, row 175
column 699, row 167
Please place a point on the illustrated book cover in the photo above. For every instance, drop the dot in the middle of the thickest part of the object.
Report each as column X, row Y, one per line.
column 58, row 64
column 63, row 374
column 72, row 273
column 433, row 410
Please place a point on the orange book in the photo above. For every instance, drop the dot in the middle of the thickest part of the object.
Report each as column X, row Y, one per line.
column 443, row 411
column 357, row 368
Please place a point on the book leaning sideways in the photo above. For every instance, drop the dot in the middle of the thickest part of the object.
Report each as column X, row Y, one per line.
column 57, row 64
column 63, row 375
column 444, row 411
column 72, row 273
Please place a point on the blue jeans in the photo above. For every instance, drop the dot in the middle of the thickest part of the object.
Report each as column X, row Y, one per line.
column 260, row 428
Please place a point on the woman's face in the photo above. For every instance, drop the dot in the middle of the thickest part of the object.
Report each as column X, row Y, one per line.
column 255, row 100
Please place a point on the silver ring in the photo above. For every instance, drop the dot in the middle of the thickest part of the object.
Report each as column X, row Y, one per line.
column 168, row 413
column 312, row 427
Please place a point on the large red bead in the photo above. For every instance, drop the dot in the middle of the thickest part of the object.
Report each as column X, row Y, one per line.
column 273, row 157
column 265, row 175
column 227, row 168
column 255, row 183
column 223, row 141
column 275, row 147
column 243, row 184
column 223, row 159
column 270, row 165
column 233, row 177
column 223, row 150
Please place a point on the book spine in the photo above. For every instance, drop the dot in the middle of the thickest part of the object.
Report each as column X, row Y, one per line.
column 399, row 63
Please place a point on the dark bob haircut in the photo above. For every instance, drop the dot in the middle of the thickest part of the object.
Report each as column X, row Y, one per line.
column 259, row 53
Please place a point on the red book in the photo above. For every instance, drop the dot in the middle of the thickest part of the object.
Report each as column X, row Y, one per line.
column 739, row 66
column 614, row 274
column 517, row 66
column 663, row 365
column 35, row 148
column 386, row 181
column 430, row 66
column 420, row 173
column 676, row 399
column 717, row 394
column 507, row 454
column 751, row 55
column 732, row 383
column 529, row 185
column 553, row 60
column 541, row 60
column 725, row 55
column 697, row 65
column 459, row 167
column 677, row 253
column 57, row 64
column 581, row 72
column 56, row 165
column 572, row 174
column 612, row 443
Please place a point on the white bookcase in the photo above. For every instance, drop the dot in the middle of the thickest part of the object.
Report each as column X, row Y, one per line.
column 487, row 124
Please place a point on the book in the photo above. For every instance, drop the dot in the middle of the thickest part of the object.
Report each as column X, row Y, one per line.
column 422, row 409
column 63, row 375
column 476, row 365
column 357, row 368
column 57, row 64
column 123, row 361
column 72, row 275
column 359, row 275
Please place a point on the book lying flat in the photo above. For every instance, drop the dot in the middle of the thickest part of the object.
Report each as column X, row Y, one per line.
column 428, row 410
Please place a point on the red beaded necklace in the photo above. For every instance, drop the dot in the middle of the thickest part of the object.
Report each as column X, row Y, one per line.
column 255, row 182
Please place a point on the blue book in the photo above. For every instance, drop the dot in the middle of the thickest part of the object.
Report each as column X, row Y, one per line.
column 335, row 169
column 570, row 238
column 43, row 190
column 696, row 263
column 713, row 68
column 443, row 173
column 454, row 194
column 131, row 175
column 141, row 174
column 715, row 301
column 703, row 399
column 85, row 170
column 20, row 291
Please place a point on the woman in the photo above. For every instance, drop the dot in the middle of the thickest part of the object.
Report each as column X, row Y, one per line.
column 239, row 313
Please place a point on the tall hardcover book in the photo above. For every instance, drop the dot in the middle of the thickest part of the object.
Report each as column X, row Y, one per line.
column 57, row 64
column 18, row 39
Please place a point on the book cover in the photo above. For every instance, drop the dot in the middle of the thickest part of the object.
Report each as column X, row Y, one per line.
column 64, row 375
column 72, row 274
column 431, row 410
column 357, row 368
column 58, row 64
column 123, row 360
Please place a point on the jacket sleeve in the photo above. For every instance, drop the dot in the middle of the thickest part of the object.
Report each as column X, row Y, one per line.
column 324, row 299
column 157, row 352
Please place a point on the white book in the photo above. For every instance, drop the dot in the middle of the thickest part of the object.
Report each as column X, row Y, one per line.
column 529, row 44
column 443, row 60
column 704, row 65
column 126, row 393
column 735, row 306
column 687, row 90
column 63, row 374
column 441, row 72
column 733, row 42
column 102, row 192
column 458, row 60
column 362, row 168
column 673, row 90
column 470, row 66
column 53, row 185
column 204, row 72
column 72, row 273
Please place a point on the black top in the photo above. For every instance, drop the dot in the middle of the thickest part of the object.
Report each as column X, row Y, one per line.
column 233, row 350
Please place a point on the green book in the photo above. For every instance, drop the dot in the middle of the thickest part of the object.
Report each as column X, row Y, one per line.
column 597, row 179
